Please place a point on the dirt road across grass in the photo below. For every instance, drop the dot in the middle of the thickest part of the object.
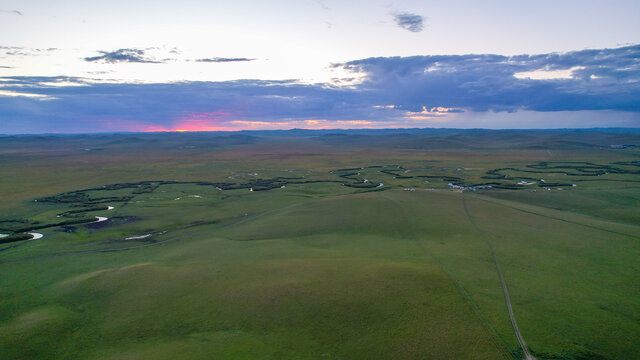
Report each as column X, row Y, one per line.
column 523, row 345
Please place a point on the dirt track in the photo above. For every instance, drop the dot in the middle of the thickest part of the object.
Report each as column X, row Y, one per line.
column 512, row 317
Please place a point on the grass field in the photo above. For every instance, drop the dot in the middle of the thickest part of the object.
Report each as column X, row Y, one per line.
column 305, row 247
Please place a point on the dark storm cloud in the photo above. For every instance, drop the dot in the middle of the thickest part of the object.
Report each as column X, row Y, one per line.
column 223, row 60
column 392, row 88
column 122, row 55
column 408, row 21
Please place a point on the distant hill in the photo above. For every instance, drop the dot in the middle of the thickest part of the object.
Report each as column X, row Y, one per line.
column 615, row 138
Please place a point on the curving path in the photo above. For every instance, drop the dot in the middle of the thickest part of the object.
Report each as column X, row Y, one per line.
column 523, row 345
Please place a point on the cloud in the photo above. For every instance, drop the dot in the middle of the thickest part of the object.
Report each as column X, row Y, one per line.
column 14, row 12
column 223, row 60
column 24, row 94
column 603, row 79
column 408, row 21
column 117, row 106
column 322, row 5
column 18, row 53
column 22, row 51
column 393, row 92
column 122, row 55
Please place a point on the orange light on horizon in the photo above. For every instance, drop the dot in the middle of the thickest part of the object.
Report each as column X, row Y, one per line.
column 197, row 121
column 223, row 121
column 192, row 129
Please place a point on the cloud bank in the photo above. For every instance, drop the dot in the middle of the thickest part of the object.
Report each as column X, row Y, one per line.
column 605, row 79
column 413, row 91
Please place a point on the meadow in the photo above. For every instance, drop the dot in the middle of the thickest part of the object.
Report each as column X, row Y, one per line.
column 320, row 245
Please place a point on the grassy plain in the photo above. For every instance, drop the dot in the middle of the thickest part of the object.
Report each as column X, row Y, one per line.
column 316, row 262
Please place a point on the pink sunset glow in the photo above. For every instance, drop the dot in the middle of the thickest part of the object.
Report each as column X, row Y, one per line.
column 198, row 121
column 224, row 121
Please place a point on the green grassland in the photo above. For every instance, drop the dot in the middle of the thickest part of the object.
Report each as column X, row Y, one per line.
column 334, row 246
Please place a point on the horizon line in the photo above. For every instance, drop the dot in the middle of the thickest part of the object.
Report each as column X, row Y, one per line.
column 319, row 130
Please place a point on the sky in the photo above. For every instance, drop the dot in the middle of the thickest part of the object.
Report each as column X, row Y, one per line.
column 95, row 66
